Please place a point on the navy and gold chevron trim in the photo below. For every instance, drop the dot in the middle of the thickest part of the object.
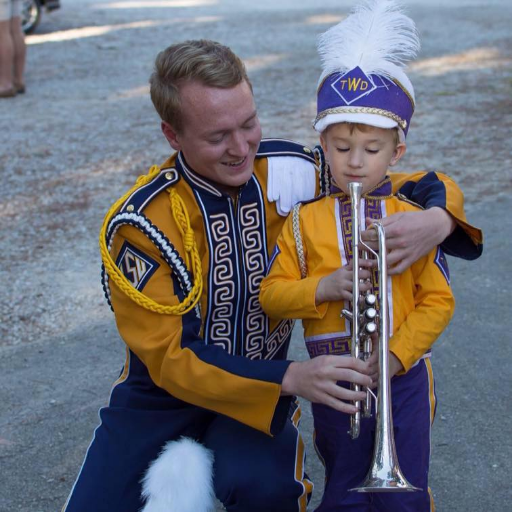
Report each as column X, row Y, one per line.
column 143, row 195
column 284, row 147
column 162, row 243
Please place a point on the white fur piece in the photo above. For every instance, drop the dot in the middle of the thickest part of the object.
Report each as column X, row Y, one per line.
column 290, row 179
column 180, row 479
column 376, row 36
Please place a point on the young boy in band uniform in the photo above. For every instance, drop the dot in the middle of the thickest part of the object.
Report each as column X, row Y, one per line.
column 365, row 102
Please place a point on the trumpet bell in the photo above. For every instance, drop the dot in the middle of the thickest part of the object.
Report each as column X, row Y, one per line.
column 385, row 474
column 386, row 481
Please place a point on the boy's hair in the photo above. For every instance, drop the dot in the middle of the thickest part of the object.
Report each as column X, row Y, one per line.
column 208, row 62
column 365, row 127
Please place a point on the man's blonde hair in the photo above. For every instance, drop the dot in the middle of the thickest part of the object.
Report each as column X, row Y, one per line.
column 207, row 62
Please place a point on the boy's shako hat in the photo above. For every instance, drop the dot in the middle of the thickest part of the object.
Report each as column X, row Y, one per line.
column 363, row 60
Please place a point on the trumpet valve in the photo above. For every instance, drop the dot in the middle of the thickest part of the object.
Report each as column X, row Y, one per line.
column 370, row 299
column 347, row 314
column 370, row 327
column 370, row 314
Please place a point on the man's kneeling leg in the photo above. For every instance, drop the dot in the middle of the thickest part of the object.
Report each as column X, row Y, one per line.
column 255, row 472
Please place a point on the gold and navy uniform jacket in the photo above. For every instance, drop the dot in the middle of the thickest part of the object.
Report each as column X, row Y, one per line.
column 225, row 354
column 420, row 299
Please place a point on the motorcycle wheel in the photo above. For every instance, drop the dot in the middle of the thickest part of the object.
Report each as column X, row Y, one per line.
column 30, row 15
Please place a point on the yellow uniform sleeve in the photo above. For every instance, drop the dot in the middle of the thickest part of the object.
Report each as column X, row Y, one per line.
column 433, row 308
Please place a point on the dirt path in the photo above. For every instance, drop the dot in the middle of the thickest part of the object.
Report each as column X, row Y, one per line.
column 86, row 129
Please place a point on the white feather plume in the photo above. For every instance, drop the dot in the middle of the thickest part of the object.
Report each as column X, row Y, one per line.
column 376, row 36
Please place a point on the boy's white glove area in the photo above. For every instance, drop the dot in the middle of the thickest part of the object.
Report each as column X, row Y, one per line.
column 290, row 180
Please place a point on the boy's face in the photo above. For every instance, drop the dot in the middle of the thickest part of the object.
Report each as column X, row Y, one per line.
column 356, row 155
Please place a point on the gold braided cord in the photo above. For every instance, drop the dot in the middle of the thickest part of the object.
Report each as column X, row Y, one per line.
column 299, row 245
column 120, row 279
column 362, row 110
column 179, row 212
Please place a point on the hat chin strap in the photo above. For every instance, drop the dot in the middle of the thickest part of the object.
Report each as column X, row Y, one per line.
column 401, row 136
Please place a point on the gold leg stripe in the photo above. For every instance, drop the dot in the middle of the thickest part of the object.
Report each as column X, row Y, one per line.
column 432, row 505
column 431, row 394
column 299, row 464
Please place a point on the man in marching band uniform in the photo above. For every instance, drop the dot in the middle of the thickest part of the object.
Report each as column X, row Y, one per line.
column 184, row 253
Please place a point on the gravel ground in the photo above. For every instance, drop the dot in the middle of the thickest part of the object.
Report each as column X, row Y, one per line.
column 86, row 129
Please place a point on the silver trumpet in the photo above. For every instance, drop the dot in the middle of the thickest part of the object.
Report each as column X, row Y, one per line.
column 385, row 474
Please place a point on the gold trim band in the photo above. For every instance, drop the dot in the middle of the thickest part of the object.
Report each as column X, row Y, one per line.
column 299, row 245
column 362, row 110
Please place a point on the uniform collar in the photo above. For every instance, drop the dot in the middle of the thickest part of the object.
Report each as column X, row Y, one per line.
column 195, row 180
column 382, row 190
column 198, row 182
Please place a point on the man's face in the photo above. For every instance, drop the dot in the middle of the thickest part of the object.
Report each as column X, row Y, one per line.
column 221, row 132
column 356, row 155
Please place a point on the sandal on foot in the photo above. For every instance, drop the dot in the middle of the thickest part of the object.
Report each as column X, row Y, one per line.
column 9, row 93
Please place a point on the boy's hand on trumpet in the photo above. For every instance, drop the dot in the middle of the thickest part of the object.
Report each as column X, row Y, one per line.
column 339, row 285
column 411, row 235
column 395, row 366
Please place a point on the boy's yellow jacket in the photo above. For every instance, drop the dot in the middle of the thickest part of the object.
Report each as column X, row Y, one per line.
column 420, row 299
column 228, row 356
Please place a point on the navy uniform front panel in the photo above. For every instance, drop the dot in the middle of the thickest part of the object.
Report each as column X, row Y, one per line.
column 254, row 253
column 237, row 246
column 348, row 460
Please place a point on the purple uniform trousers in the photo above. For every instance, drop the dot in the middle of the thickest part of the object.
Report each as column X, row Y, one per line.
column 347, row 461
